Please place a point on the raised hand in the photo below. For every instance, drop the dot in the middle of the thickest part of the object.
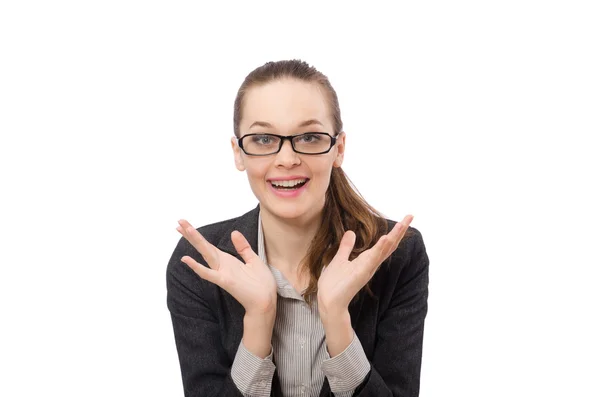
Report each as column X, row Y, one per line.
column 342, row 278
column 251, row 283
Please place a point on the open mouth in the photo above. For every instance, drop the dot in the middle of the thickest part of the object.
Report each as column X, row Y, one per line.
column 289, row 185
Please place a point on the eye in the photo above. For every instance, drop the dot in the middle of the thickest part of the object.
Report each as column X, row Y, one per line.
column 310, row 138
column 262, row 139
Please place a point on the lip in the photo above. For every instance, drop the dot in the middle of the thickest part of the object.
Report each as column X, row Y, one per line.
column 286, row 193
column 287, row 178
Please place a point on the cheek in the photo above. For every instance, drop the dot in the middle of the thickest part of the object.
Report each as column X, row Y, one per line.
column 256, row 171
column 322, row 171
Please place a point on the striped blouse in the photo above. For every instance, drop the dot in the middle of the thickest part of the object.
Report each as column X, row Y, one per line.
column 298, row 350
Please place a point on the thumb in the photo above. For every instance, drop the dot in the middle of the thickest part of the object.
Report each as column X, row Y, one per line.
column 346, row 246
column 242, row 246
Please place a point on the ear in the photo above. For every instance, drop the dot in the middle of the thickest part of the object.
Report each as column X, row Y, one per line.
column 340, row 144
column 237, row 155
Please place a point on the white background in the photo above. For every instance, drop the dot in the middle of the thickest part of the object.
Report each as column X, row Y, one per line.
column 480, row 118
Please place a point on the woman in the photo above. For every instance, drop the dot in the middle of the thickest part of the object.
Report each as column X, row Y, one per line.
column 313, row 292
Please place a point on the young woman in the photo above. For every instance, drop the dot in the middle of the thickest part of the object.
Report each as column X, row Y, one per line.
column 311, row 293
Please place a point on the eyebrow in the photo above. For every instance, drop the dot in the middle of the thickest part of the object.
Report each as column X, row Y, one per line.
column 302, row 124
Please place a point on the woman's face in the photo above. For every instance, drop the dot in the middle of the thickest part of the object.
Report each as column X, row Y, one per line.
column 288, row 107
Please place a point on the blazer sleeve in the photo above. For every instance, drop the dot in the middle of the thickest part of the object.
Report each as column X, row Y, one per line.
column 396, row 364
column 205, row 367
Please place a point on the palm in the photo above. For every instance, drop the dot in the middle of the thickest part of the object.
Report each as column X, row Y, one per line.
column 343, row 278
column 342, row 275
column 251, row 283
column 242, row 280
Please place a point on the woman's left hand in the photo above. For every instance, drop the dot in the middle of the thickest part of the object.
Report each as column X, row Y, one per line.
column 342, row 278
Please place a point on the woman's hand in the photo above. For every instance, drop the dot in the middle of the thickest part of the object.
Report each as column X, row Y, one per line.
column 251, row 283
column 342, row 279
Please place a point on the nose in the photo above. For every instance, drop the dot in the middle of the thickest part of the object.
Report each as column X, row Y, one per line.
column 286, row 156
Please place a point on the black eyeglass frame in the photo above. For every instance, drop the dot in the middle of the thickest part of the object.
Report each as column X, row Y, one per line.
column 290, row 137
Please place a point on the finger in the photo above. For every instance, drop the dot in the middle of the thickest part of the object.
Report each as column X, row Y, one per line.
column 378, row 251
column 401, row 228
column 206, row 249
column 396, row 235
column 201, row 270
column 346, row 246
column 382, row 249
column 183, row 225
column 242, row 246
column 368, row 261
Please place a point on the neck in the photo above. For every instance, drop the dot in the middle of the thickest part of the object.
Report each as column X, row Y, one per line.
column 287, row 240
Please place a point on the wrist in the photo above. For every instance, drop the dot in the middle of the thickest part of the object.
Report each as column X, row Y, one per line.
column 338, row 332
column 262, row 307
column 332, row 310
column 336, row 318
column 258, row 331
column 260, row 319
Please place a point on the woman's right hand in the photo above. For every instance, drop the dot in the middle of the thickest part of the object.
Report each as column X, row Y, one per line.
column 252, row 284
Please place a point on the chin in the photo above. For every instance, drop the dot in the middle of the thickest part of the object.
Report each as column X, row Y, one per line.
column 299, row 210
column 287, row 210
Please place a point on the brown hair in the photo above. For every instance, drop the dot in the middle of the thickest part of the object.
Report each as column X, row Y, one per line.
column 345, row 209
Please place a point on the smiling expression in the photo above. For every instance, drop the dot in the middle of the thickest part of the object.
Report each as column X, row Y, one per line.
column 288, row 107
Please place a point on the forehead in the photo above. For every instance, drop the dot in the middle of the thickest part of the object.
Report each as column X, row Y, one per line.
column 285, row 104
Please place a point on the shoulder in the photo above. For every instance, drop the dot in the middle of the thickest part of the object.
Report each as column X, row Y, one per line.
column 213, row 232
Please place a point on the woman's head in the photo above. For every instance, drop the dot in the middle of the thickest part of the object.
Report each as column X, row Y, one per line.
column 288, row 98
column 278, row 98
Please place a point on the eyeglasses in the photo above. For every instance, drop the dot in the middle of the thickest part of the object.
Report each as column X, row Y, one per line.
column 307, row 143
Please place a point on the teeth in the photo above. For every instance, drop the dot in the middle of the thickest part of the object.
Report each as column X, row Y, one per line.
column 288, row 183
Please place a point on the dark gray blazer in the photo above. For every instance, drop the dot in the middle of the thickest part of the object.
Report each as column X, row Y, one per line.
column 208, row 321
